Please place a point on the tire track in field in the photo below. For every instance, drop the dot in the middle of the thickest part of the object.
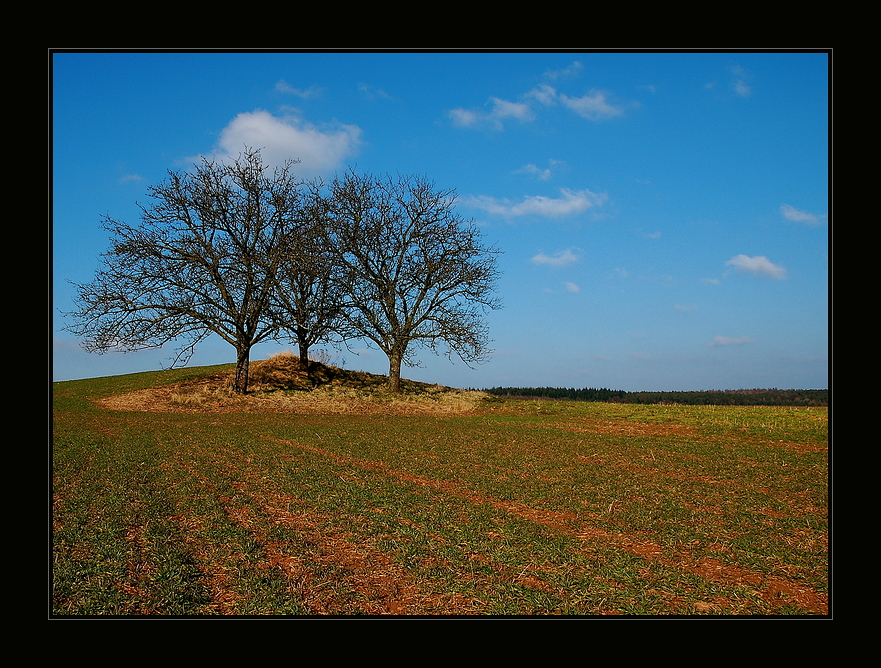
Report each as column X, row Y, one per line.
column 333, row 574
column 774, row 590
column 224, row 597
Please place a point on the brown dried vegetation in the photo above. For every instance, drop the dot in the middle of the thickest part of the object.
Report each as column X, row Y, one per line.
column 278, row 385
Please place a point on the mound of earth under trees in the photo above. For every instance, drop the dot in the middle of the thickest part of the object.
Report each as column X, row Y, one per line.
column 280, row 385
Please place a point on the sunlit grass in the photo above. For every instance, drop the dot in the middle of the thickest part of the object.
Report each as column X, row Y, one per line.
column 497, row 508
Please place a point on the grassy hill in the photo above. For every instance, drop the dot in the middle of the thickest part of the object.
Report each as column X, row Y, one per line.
column 280, row 385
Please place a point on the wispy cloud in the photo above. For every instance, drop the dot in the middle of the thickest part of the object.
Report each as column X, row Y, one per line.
column 594, row 105
column 741, row 87
column 544, row 93
column 516, row 110
column 561, row 259
column 501, row 110
column 569, row 202
column 372, row 92
column 573, row 70
column 319, row 149
column 730, row 341
column 739, row 83
column 283, row 86
column 758, row 265
column 542, row 174
column 794, row 215
column 571, row 288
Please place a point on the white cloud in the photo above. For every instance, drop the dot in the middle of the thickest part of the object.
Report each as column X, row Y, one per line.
column 741, row 87
column 570, row 202
column 758, row 265
column 501, row 110
column 794, row 215
column 574, row 69
column 571, row 288
column 593, row 106
column 284, row 87
column 505, row 109
column 730, row 341
column 543, row 174
column 464, row 117
column 320, row 150
column 545, row 94
column 372, row 92
column 561, row 259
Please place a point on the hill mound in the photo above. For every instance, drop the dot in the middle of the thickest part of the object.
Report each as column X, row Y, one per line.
column 278, row 385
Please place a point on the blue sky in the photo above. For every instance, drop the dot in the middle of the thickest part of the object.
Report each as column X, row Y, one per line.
column 663, row 217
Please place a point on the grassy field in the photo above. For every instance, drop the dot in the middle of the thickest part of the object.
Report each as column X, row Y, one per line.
column 348, row 503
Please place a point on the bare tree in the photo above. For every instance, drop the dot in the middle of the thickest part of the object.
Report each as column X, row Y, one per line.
column 309, row 285
column 204, row 260
column 415, row 273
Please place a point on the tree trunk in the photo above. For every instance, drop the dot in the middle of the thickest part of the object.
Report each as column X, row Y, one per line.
column 394, row 372
column 243, row 363
column 304, row 356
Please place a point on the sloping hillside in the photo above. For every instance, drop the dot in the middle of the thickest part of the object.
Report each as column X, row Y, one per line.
column 279, row 385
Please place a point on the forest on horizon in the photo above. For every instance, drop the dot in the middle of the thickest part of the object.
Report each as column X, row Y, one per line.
column 751, row 397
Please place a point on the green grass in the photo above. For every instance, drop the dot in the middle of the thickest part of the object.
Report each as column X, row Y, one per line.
column 515, row 508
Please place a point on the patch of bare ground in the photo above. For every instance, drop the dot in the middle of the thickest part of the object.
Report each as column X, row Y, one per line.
column 279, row 385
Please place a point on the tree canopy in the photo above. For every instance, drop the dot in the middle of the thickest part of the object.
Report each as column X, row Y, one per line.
column 252, row 254
column 414, row 272
column 204, row 260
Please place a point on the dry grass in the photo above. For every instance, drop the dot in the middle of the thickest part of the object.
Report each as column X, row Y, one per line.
column 278, row 385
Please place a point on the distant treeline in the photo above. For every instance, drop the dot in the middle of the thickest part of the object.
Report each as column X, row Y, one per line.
column 758, row 397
